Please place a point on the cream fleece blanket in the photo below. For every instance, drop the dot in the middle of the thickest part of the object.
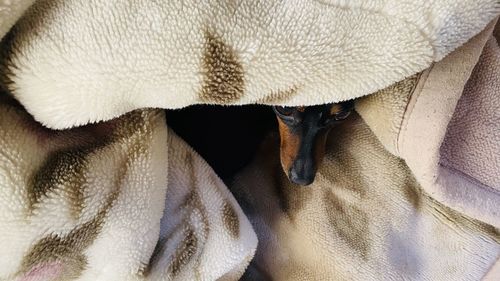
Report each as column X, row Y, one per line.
column 408, row 194
column 368, row 216
column 91, row 204
column 117, row 56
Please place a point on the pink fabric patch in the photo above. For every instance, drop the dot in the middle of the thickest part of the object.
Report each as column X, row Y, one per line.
column 43, row 272
column 472, row 142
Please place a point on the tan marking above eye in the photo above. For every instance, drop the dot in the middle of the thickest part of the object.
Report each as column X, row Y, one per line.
column 301, row 108
column 335, row 108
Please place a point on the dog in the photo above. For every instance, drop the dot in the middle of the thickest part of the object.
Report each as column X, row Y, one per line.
column 303, row 131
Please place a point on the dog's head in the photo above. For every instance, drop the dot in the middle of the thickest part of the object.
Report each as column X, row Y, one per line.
column 303, row 132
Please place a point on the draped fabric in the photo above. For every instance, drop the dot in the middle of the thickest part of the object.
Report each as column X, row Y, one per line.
column 95, row 186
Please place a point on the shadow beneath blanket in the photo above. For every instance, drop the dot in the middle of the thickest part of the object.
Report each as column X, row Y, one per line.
column 227, row 137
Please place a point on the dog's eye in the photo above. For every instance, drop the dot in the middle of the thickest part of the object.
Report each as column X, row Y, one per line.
column 340, row 111
column 341, row 115
column 284, row 110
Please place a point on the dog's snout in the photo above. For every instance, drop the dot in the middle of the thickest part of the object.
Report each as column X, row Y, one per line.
column 302, row 172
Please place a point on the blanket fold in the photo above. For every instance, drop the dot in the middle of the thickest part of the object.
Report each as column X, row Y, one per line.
column 420, row 118
column 91, row 203
column 123, row 55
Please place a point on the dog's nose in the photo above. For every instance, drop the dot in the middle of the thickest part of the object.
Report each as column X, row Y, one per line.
column 295, row 178
column 302, row 172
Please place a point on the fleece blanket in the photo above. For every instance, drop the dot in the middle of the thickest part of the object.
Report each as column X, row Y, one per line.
column 409, row 188
column 90, row 204
column 117, row 56
column 368, row 216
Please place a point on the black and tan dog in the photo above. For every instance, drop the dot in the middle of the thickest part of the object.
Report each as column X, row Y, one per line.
column 228, row 137
column 303, row 132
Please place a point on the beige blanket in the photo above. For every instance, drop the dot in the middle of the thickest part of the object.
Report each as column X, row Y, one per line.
column 90, row 204
column 369, row 216
column 409, row 188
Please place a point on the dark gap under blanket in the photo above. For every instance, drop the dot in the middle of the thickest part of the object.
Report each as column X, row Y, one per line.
column 227, row 137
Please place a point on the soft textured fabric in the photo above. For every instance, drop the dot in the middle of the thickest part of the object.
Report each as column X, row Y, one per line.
column 364, row 218
column 204, row 234
column 117, row 56
column 69, row 199
column 409, row 188
column 472, row 140
column 411, row 120
column 380, row 206
column 425, row 125
column 91, row 204
column 10, row 11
